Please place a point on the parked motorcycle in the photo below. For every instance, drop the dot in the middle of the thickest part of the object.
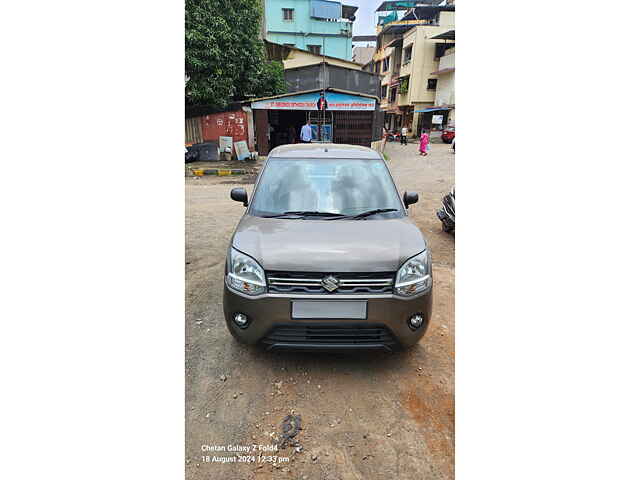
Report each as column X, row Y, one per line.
column 447, row 214
column 393, row 136
column 191, row 155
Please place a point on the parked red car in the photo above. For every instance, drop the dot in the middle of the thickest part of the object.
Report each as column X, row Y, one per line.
column 449, row 134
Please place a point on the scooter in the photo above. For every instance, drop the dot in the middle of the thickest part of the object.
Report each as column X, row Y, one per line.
column 393, row 137
column 447, row 214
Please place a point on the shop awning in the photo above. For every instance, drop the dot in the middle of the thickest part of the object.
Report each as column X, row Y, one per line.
column 392, row 109
column 450, row 35
column 432, row 109
column 348, row 11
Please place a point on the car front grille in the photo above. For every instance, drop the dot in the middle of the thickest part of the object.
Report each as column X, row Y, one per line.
column 348, row 283
column 335, row 336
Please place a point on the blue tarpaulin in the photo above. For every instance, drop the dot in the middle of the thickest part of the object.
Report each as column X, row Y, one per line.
column 325, row 9
column 392, row 17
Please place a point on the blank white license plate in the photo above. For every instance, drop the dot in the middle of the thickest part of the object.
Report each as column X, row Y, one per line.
column 329, row 309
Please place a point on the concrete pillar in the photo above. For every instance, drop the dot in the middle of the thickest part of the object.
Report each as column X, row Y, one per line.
column 414, row 125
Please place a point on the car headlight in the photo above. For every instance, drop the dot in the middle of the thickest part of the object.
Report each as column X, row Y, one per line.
column 415, row 275
column 244, row 274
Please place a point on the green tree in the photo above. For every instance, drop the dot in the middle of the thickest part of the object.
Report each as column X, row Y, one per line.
column 225, row 59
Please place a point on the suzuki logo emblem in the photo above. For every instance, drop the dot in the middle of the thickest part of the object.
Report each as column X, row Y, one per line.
column 330, row 283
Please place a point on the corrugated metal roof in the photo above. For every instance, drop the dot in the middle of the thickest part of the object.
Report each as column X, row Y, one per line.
column 391, row 5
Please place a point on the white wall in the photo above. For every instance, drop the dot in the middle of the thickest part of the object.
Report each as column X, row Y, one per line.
column 445, row 90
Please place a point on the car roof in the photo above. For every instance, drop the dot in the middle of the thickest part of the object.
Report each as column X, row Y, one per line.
column 324, row 150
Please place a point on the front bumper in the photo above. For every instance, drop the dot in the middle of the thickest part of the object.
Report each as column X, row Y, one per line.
column 385, row 327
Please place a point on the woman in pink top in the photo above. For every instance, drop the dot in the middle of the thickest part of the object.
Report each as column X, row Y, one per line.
column 424, row 142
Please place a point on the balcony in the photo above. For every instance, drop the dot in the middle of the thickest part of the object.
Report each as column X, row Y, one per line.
column 448, row 61
column 403, row 98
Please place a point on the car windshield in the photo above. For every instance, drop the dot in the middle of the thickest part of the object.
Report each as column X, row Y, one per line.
column 325, row 186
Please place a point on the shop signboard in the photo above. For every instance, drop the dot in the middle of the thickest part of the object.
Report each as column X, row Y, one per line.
column 309, row 101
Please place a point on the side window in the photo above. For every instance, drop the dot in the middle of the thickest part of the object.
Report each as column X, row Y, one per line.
column 287, row 14
column 314, row 49
column 432, row 83
column 407, row 53
column 383, row 94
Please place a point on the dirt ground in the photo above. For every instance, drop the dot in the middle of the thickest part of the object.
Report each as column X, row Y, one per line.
column 364, row 416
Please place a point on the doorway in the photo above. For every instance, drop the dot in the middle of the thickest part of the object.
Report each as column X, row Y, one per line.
column 284, row 126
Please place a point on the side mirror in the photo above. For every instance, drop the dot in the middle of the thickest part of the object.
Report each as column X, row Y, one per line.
column 239, row 195
column 409, row 198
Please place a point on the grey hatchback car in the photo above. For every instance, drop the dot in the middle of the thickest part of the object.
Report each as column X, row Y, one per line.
column 325, row 256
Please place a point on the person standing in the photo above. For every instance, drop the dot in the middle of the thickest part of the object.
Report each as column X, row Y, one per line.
column 322, row 102
column 403, row 135
column 306, row 132
column 270, row 139
column 424, row 143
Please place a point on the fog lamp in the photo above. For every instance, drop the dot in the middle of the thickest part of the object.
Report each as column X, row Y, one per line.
column 416, row 321
column 241, row 320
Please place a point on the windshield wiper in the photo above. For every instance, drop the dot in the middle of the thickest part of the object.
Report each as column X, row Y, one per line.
column 306, row 213
column 369, row 213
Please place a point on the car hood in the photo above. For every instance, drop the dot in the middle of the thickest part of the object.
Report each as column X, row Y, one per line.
column 328, row 245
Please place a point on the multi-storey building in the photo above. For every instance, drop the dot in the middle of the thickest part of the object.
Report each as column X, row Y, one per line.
column 363, row 55
column 409, row 59
column 319, row 26
column 445, row 91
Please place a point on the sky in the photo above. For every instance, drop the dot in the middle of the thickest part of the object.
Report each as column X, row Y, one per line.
column 365, row 23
